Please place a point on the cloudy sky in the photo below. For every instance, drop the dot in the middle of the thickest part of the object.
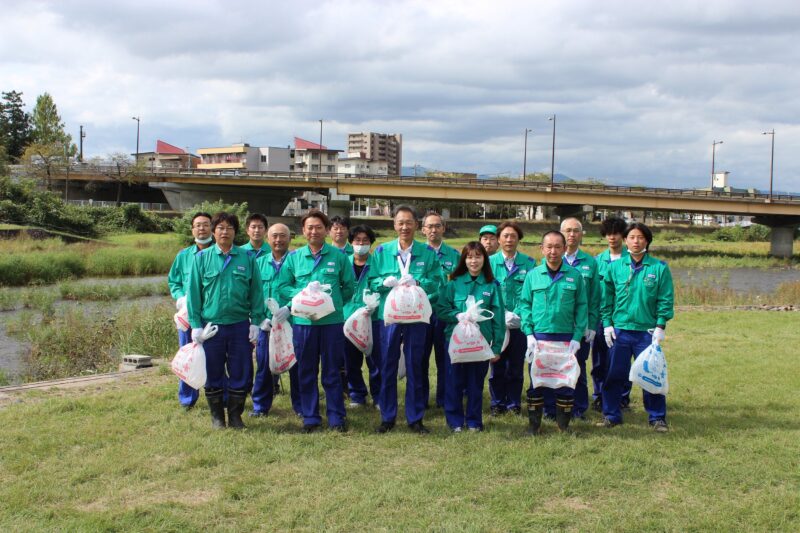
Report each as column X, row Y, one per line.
column 640, row 89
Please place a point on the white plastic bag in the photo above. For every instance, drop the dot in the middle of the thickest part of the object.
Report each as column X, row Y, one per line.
column 314, row 302
column 281, row 342
column 407, row 304
column 181, row 319
column 554, row 366
column 649, row 370
column 506, row 340
column 358, row 326
column 467, row 343
column 189, row 363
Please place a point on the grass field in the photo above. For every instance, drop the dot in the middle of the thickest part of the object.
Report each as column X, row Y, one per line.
column 124, row 457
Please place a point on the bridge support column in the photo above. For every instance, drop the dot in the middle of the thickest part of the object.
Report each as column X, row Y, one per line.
column 782, row 234
column 577, row 211
column 338, row 204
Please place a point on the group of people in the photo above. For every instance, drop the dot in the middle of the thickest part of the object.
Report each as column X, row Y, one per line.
column 612, row 306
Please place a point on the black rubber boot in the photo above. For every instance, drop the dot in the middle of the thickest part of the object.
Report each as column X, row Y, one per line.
column 236, row 400
column 564, row 413
column 216, row 405
column 535, row 412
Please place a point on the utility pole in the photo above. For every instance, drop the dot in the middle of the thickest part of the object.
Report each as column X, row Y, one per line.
column 320, row 146
column 713, row 151
column 771, row 160
column 82, row 136
column 553, row 153
column 137, row 119
column 525, row 156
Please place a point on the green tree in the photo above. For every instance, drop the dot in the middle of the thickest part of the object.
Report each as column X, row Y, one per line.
column 46, row 161
column 47, row 125
column 15, row 125
column 119, row 167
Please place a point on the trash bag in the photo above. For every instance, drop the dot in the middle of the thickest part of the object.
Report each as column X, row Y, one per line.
column 358, row 327
column 281, row 342
column 189, row 363
column 181, row 319
column 314, row 302
column 467, row 343
column 649, row 370
column 407, row 304
column 554, row 366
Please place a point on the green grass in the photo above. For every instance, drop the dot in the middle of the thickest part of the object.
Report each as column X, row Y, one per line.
column 127, row 458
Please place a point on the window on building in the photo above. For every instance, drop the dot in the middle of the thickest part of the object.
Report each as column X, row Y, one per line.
column 329, row 168
column 314, row 168
column 263, row 158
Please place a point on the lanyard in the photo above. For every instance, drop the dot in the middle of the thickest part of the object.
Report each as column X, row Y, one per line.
column 317, row 259
column 227, row 260
column 363, row 271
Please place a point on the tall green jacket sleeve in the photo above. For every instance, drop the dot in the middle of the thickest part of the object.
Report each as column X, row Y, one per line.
column 498, row 307
column 175, row 278
column 524, row 305
column 258, row 309
column 665, row 303
column 194, row 296
column 609, row 295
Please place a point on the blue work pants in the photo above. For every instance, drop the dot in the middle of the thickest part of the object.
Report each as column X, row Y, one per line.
column 412, row 337
column 314, row 345
column 435, row 342
column 507, row 377
column 187, row 396
column 230, row 353
column 464, row 379
column 355, row 378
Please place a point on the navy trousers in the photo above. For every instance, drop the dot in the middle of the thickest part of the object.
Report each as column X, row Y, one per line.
column 355, row 378
column 412, row 337
column 265, row 383
column 229, row 353
column 316, row 346
column 435, row 342
column 600, row 367
column 464, row 379
column 187, row 396
column 628, row 345
column 508, row 374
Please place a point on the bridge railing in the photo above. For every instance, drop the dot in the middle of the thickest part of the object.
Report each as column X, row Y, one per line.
column 332, row 179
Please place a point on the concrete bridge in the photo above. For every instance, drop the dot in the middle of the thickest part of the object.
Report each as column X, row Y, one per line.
column 270, row 191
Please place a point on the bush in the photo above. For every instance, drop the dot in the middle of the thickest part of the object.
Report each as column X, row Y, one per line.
column 183, row 225
column 754, row 233
column 128, row 218
column 22, row 203
column 668, row 235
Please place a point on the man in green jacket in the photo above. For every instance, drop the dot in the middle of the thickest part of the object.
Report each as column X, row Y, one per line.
column 553, row 307
column 637, row 303
column 404, row 261
column 256, row 228
column 433, row 227
column 178, row 281
column 510, row 267
column 318, row 342
column 225, row 290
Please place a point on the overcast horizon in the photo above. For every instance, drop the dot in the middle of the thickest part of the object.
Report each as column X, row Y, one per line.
column 640, row 90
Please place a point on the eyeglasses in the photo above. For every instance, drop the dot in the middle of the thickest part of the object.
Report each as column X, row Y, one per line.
column 202, row 225
column 224, row 229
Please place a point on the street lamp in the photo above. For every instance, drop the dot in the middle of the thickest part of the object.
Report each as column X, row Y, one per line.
column 320, row 146
column 553, row 153
column 713, row 151
column 525, row 156
column 137, row 119
column 771, row 159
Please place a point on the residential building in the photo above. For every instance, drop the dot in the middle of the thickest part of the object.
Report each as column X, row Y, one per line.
column 244, row 157
column 313, row 157
column 379, row 147
column 358, row 164
column 167, row 157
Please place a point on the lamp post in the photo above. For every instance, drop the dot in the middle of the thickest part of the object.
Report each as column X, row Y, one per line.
column 771, row 160
column 525, row 155
column 82, row 137
column 713, row 153
column 553, row 153
column 320, row 146
column 137, row 119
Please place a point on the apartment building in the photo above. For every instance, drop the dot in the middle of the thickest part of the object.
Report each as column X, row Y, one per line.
column 167, row 157
column 242, row 156
column 379, row 147
column 358, row 164
column 313, row 157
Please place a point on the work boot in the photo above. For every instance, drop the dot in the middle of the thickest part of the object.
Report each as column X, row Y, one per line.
column 216, row 404
column 236, row 399
column 535, row 412
column 564, row 413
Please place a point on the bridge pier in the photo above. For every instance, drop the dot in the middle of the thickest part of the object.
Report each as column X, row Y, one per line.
column 578, row 211
column 782, row 234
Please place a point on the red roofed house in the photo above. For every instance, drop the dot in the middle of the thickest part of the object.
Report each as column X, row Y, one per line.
column 313, row 157
column 167, row 156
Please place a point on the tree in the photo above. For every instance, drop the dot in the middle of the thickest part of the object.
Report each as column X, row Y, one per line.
column 47, row 125
column 15, row 125
column 46, row 161
column 119, row 167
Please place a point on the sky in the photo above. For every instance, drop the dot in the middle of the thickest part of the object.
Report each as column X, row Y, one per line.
column 640, row 90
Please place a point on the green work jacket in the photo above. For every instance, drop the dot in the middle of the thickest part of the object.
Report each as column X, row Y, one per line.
column 225, row 289
column 423, row 265
column 604, row 261
column 587, row 266
column 637, row 298
column 330, row 267
column 178, row 277
column 348, row 248
column 554, row 305
column 448, row 257
column 362, row 282
column 452, row 301
column 258, row 254
column 511, row 281
column 269, row 270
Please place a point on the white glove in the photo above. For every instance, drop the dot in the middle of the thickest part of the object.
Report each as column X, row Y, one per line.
column 281, row 314
column 513, row 321
column 658, row 336
column 574, row 346
column 407, row 279
column 610, row 336
column 391, row 281
column 252, row 335
column 461, row 316
column 180, row 303
column 589, row 335
column 531, row 342
column 197, row 335
column 266, row 325
column 533, row 347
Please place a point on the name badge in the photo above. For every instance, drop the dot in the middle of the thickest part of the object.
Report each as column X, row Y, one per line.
column 331, row 263
column 241, row 268
column 487, row 294
column 420, row 263
column 571, row 280
column 330, row 270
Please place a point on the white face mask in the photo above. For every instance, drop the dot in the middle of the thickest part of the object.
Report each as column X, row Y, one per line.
column 203, row 241
column 361, row 249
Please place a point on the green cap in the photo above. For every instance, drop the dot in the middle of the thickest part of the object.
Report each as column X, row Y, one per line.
column 488, row 228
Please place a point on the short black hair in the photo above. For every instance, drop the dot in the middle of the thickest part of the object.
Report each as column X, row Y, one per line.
column 404, row 207
column 344, row 221
column 230, row 218
column 510, row 224
column 648, row 235
column 201, row 214
column 432, row 213
column 361, row 228
column 316, row 213
column 554, row 232
column 612, row 226
column 256, row 216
